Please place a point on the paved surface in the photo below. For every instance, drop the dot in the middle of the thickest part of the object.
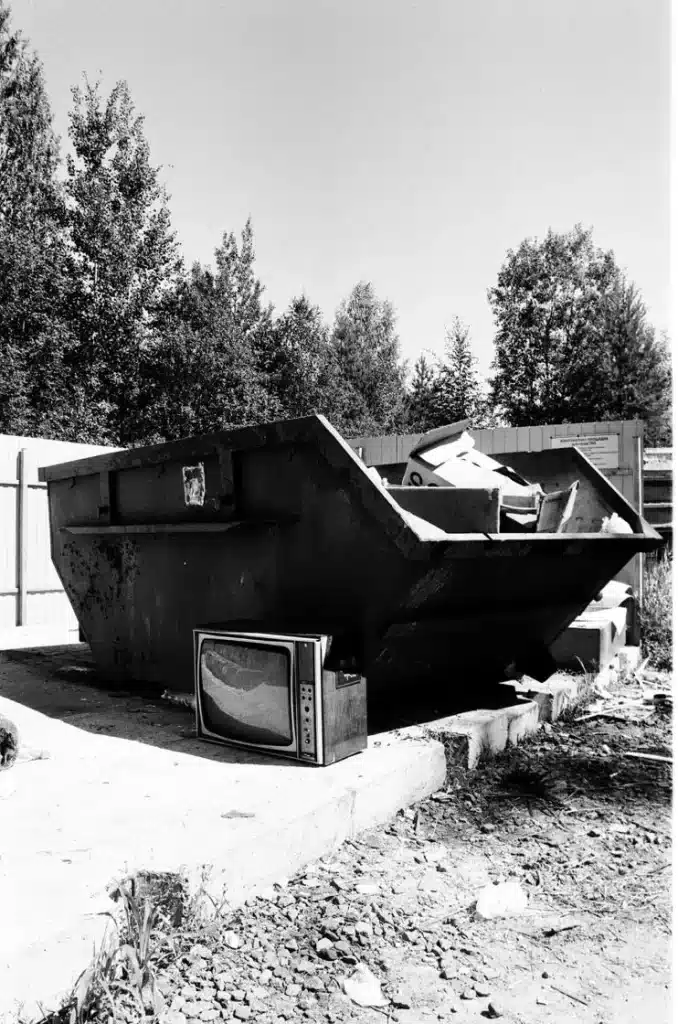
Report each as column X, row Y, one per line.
column 111, row 782
column 81, row 809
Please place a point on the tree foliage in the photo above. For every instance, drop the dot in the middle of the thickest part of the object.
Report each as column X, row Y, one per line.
column 572, row 341
column 370, row 376
column 123, row 253
column 32, row 244
column 449, row 389
column 106, row 337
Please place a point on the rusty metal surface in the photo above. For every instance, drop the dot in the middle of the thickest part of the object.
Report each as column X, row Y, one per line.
column 281, row 526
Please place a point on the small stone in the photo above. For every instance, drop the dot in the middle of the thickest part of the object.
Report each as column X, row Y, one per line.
column 541, row 1001
column 314, row 984
column 401, row 998
column 293, row 990
column 483, row 990
column 495, row 1009
column 343, row 948
column 367, row 889
column 448, row 974
column 238, row 995
column 364, row 928
column 322, row 945
column 487, row 826
column 544, row 974
column 306, row 1004
column 191, row 1009
column 232, row 940
column 171, row 1017
column 468, row 993
column 200, row 952
column 256, row 994
column 211, row 1013
column 242, row 1012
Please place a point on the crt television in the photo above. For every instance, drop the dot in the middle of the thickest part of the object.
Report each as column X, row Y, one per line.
column 274, row 692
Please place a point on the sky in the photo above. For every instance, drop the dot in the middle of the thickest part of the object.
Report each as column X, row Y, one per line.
column 410, row 144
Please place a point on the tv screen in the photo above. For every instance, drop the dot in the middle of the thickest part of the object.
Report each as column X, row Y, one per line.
column 246, row 691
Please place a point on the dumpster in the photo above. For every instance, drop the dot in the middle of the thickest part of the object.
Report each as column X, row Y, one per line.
column 282, row 527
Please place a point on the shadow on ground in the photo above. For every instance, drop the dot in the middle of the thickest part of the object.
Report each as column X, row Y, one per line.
column 62, row 682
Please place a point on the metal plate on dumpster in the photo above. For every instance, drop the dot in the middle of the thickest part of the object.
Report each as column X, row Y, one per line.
column 601, row 449
column 194, row 484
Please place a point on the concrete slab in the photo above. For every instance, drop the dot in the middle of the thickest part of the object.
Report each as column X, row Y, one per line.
column 37, row 636
column 593, row 640
column 471, row 736
column 81, row 810
column 563, row 690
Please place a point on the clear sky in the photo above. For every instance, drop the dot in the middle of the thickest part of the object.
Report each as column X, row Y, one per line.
column 406, row 143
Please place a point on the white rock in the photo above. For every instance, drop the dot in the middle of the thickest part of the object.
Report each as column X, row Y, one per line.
column 501, row 900
column 367, row 889
column 363, row 988
column 232, row 940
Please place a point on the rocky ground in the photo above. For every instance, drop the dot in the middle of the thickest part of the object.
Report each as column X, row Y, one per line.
column 581, row 828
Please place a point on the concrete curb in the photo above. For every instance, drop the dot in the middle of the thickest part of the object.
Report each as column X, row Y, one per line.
column 563, row 690
column 472, row 736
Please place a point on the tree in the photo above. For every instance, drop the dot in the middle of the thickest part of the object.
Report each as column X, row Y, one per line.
column 206, row 370
column 124, row 257
column 448, row 389
column 422, row 396
column 299, row 363
column 457, row 394
column 367, row 351
column 33, row 270
column 572, row 341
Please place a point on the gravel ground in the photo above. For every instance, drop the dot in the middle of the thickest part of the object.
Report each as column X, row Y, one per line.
column 582, row 829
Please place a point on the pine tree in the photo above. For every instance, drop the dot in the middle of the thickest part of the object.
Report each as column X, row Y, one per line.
column 367, row 353
column 33, row 272
column 299, row 365
column 207, row 368
column 457, row 392
column 422, row 396
column 124, row 257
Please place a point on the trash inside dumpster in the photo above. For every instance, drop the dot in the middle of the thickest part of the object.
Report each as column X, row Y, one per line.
column 280, row 527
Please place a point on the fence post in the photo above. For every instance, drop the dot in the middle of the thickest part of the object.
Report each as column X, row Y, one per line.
column 23, row 546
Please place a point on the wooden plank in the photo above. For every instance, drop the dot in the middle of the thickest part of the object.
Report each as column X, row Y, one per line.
column 498, row 440
column 523, row 439
column 536, row 439
column 389, row 450
column 22, row 553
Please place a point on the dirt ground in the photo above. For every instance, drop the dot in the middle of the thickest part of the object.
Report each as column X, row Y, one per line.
column 584, row 830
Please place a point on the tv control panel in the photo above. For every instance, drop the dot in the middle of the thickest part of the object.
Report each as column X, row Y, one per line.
column 307, row 719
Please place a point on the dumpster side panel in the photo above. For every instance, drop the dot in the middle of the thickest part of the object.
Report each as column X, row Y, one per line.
column 300, row 541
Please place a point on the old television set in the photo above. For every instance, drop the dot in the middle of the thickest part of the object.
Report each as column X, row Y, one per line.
column 284, row 694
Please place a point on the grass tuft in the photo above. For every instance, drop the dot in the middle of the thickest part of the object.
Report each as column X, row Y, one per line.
column 122, row 973
column 656, row 616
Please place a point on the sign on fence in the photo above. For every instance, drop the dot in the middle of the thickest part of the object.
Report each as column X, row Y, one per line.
column 601, row 449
